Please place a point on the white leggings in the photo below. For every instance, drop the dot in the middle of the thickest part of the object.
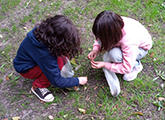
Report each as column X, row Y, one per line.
column 115, row 55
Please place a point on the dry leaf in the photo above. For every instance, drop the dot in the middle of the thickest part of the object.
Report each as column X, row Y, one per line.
column 25, row 28
column 23, row 96
column 42, row 101
column 137, row 113
column 51, row 117
column 78, row 67
column 28, row 3
column 82, row 110
column 73, row 61
column 54, row 104
column 161, row 98
column 15, row 118
column 89, row 49
column 85, row 88
column 76, row 88
column 48, row 15
column 1, row 36
column 116, row 105
column 154, row 59
column 65, row 116
column 95, row 88
column 10, row 74
column 150, row 25
column 100, row 105
column 152, row 54
column 7, row 78
column 162, row 85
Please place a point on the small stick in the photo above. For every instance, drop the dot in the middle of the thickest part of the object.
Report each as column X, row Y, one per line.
column 17, row 101
column 64, row 92
column 27, row 114
column 82, row 116
column 3, row 91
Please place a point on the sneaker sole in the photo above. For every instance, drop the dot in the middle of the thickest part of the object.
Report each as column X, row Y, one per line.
column 50, row 100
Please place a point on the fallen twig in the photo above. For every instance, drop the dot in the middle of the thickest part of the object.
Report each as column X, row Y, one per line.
column 27, row 114
column 17, row 101
column 64, row 92
column 4, row 91
column 90, row 115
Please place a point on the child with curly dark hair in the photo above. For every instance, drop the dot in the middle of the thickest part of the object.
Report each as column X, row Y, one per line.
column 41, row 55
column 125, row 41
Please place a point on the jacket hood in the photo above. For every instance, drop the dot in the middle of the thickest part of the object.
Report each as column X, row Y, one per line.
column 32, row 38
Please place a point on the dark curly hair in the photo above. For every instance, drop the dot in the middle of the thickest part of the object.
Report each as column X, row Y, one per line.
column 60, row 36
column 108, row 28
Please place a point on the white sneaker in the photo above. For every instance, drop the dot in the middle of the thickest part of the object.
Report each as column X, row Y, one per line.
column 43, row 94
column 133, row 74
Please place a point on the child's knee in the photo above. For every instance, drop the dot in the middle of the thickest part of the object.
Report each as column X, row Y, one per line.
column 115, row 55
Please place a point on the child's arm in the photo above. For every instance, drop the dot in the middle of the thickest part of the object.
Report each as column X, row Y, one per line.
column 96, row 46
column 49, row 66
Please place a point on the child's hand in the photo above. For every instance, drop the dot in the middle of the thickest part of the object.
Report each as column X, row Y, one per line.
column 92, row 55
column 82, row 80
column 97, row 65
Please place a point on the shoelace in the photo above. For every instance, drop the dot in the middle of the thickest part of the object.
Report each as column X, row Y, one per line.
column 44, row 91
column 134, row 68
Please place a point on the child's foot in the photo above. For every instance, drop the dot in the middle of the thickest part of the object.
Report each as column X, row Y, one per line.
column 43, row 94
column 133, row 74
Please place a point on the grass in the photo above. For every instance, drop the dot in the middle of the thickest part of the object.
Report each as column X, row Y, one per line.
column 18, row 17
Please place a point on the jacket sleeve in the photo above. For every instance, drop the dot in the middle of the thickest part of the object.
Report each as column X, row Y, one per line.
column 49, row 66
column 96, row 46
column 129, row 58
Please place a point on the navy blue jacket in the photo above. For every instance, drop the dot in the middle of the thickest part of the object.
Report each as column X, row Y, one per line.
column 32, row 53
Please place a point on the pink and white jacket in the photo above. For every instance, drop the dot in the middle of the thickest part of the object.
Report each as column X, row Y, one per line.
column 135, row 35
